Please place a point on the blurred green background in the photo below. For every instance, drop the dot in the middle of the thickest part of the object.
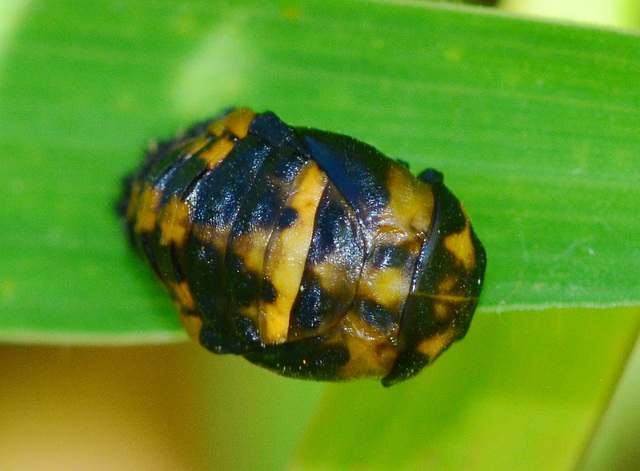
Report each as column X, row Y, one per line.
column 535, row 126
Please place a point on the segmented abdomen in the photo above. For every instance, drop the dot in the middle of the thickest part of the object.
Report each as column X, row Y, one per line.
column 307, row 252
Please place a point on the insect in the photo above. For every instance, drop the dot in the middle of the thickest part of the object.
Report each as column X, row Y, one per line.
column 307, row 252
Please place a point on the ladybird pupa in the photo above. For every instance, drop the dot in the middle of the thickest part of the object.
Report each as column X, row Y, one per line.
column 307, row 252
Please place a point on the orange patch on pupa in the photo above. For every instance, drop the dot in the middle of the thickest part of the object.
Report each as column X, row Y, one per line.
column 147, row 210
column 436, row 344
column 238, row 122
column 371, row 353
column 174, row 222
column 460, row 245
column 411, row 204
column 288, row 249
column 218, row 151
column 216, row 128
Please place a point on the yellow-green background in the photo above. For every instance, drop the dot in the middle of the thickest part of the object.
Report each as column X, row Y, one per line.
column 535, row 125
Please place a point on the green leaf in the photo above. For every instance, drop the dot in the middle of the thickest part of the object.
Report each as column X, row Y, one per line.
column 535, row 126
